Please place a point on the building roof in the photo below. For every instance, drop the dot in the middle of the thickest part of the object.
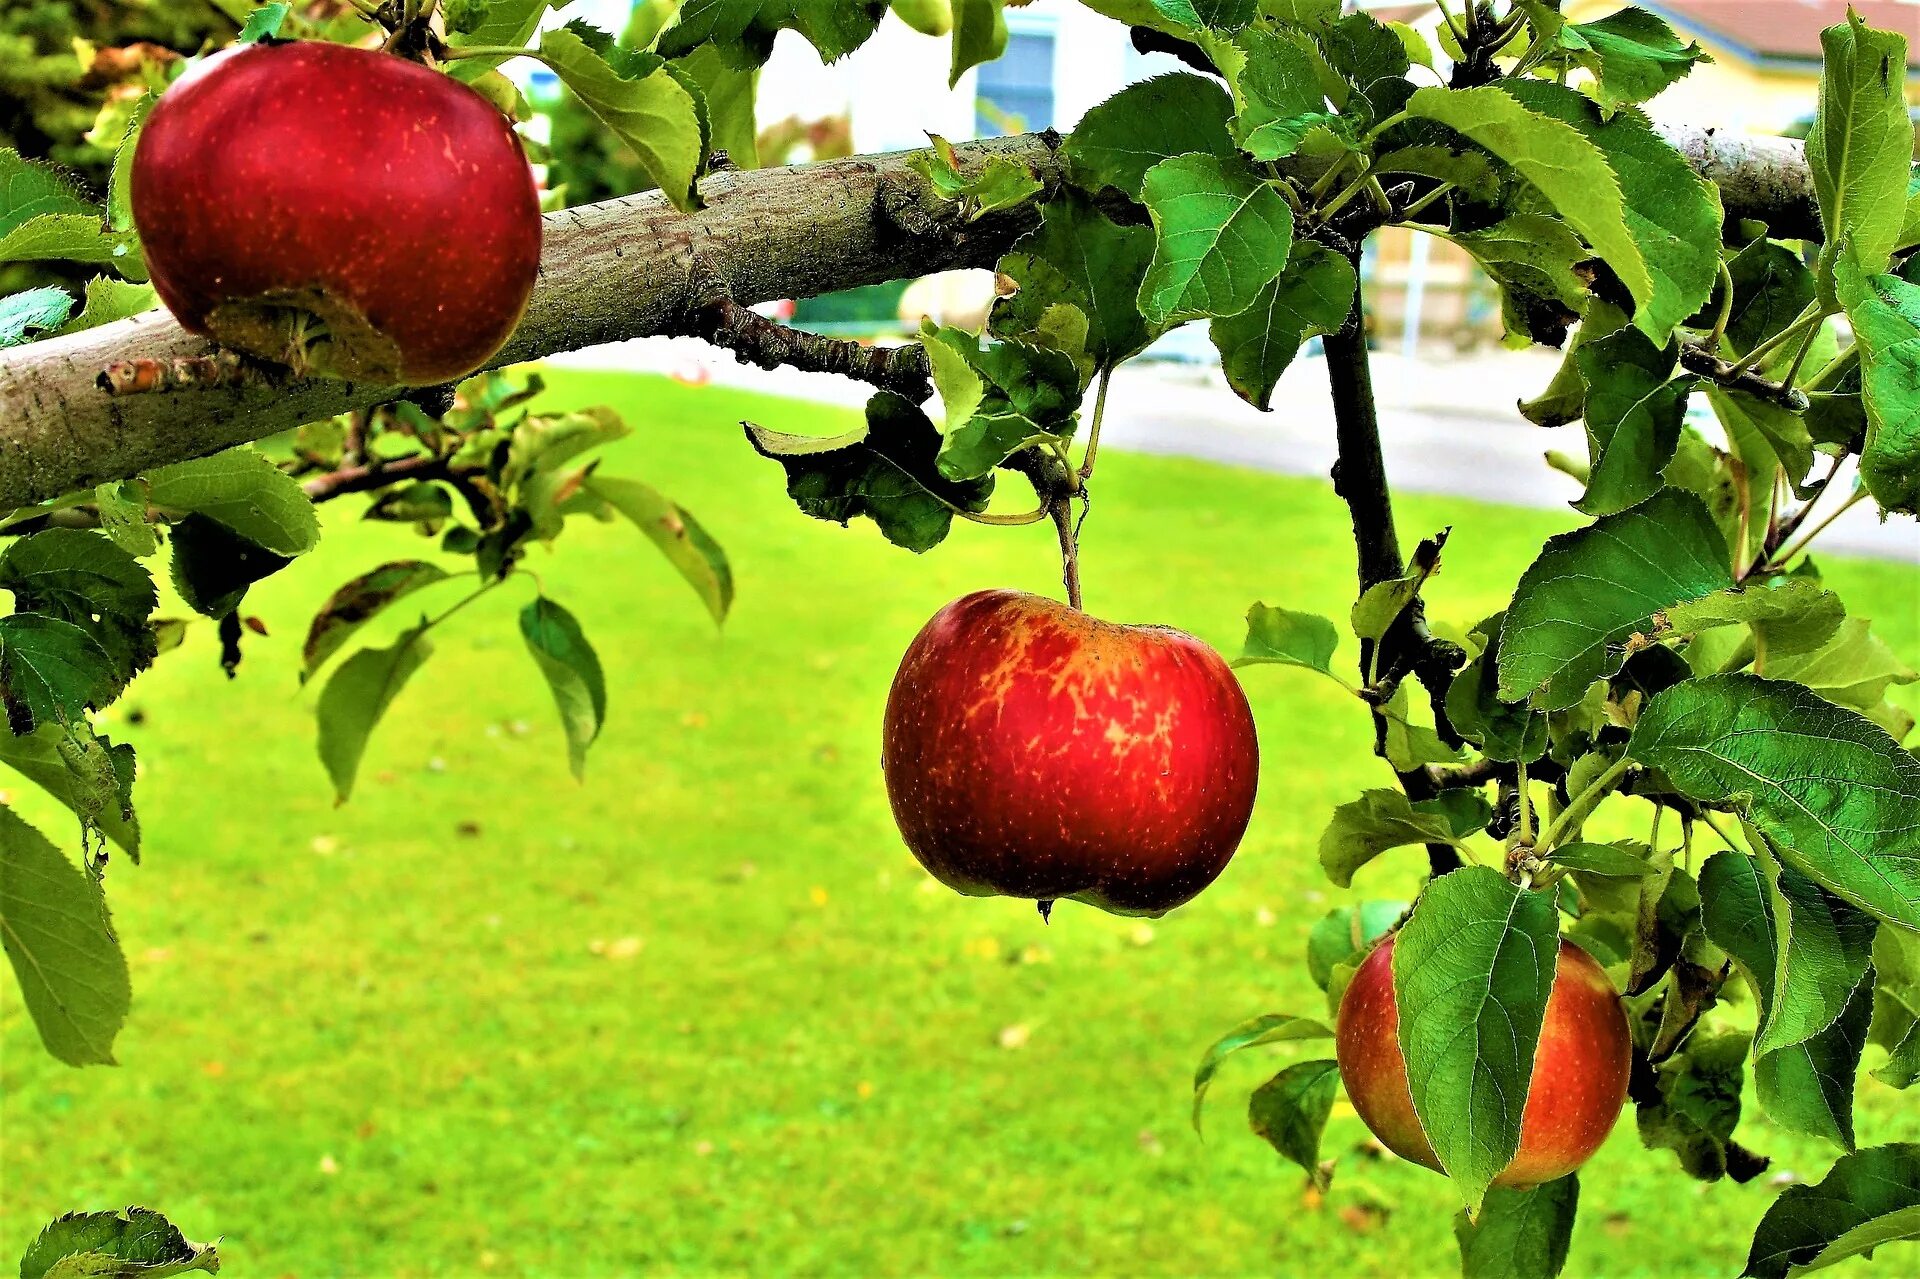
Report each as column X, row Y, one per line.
column 1785, row 30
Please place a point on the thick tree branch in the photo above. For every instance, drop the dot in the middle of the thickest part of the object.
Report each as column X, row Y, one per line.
column 621, row 269
column 1360, row 478
column 624, row 269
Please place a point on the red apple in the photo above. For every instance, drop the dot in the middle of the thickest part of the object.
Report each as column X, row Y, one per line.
column 1032, row 750
column 1579, row 1070
column 282, row 188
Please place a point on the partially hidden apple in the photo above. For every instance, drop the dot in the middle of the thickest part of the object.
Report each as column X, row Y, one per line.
column 1032, row 750
column 339, row 210
column 1579, row 1069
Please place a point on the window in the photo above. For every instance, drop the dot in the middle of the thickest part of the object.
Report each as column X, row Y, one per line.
column 1016, row 90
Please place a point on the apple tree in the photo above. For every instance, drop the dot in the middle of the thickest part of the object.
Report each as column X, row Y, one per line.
column 1675, row 666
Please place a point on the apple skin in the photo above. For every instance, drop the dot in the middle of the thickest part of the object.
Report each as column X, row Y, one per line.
column 1031, row 750
column 389, row 200
column 1579, row 1070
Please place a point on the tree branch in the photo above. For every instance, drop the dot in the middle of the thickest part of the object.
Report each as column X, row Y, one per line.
column 624, row 269
column 754, row 339
column 1360, row 478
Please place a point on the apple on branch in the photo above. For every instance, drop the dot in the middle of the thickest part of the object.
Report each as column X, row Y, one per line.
column 338, row 210
column 1579, row 1080
column 1032, row 750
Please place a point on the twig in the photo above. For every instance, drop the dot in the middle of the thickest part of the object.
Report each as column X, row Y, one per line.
column 754, row 339
column 1696, row 358
column 367, row 476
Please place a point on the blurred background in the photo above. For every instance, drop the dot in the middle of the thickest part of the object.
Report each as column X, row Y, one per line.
column 704, row 1013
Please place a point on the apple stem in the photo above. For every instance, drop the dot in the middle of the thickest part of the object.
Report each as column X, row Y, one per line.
column 1046, row 910
column 1093, row 428
column 1061, row 509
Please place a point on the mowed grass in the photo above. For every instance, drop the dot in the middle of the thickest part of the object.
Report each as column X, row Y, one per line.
column 704, row 1013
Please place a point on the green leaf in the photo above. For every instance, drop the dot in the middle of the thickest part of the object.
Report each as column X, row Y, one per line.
column 109, row 300
column 73, row 237
column 1218, row 15
column 1764, row 434
column 42, row 757
column 136, row 1244
column 636, row 96
column 1533, row 258
column 744, row 30
column 1830, row 790
column 1861, row 148
column 1472, row 970
column 1616, row 861
column 507, row 24
column 1855, row 668
column 573, row 673
column 1816, row 948
column 357, row 696
column 55, row 930
column 1379, row 820
column 34, row 311
column 1592, row 588
column 1808, row 1086
column 357, row 602
column 979, row 35
column 1279, row 636
column 1345, row 934
column 1507, row 731
column 1868, row 1198
column 1790, row 617
column 1279, row 95
column 1771, row 287
column 35, row 188
column 952, row 354
column 51, row 671
column 1519, row 1234
column 81, row 577
column 1672, row 215
column 1118, row 141
column 884, row 470
column 681, row 538
column 1884, row 311
column 1469, row 170
column 1633, row 416
column 1632, row 53
column 729, row 93
column 213, row 566
column 1410, row 745
column 263, row 23
column 1020, row 394
column 999, row 184
column 1715, row 479
column 245, row 491
column 1222, row 232
column 1081, row 257
column 422, row 502
column 1564, row 166
column 1313, row 295
column 1565, row 397
column 1269, row 1028
column 1289, row 1112
column 1693, row 1106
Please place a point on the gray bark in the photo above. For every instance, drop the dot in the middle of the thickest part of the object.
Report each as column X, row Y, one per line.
column 632, row 268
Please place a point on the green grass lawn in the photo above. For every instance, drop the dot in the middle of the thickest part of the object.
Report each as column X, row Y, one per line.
column 704, row 1013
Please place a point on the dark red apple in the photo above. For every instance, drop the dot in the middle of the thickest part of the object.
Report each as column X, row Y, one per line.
column 1032, row 750
column 291, row 193
column 1579, row 1070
